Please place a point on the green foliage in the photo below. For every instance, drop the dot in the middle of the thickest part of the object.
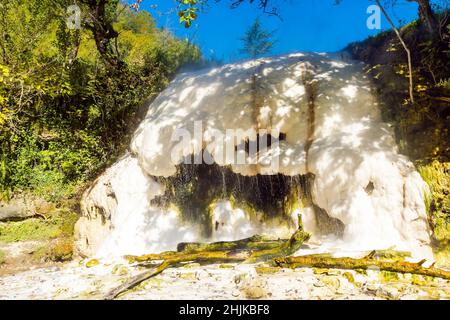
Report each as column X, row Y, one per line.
column 444, row 84
column 65, row 113
column 32, row 229
column 57, row 225
column 437, row 175
column 60, row 250
column 188, row 10
column 257, row 41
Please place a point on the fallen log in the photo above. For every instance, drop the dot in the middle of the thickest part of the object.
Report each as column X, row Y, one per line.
column 244, row 251
column 390, row 254
column 365, row 263
column 285, row 249
column 133, row 282
column 219, row 256
column 256, row 242
column 151, row 257
column 260, row 247
column 244, row 254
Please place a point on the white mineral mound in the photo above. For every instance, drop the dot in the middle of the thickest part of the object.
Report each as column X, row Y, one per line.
column 329, row 116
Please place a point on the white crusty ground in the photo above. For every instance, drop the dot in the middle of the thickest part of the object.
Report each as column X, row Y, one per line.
column 232, row 281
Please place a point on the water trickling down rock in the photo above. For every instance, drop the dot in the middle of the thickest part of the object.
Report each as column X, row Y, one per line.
column 338, row 165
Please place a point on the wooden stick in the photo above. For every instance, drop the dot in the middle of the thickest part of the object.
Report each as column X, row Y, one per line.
column 133, row 282
column 363, row 263
column 215, row 256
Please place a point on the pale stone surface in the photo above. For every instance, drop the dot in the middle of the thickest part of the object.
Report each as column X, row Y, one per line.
column 23, row 206
column 360, row 178
column 75, row 281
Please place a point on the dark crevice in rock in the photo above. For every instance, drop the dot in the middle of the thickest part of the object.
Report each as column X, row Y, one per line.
column 262, row 142
column 311, row 89
column 369, row 188
column 195, row 187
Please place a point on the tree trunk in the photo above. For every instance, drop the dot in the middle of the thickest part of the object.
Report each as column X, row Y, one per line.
column 103, row 31
column 256, row 242
column 426, row 15
column 366, row 263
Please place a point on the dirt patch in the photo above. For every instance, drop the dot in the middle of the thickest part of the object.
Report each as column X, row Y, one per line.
column 27, row 255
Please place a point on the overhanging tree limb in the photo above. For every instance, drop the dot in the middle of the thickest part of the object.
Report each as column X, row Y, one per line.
column 426, row 15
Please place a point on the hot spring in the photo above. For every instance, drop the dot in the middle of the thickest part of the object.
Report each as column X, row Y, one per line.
column 243, row 149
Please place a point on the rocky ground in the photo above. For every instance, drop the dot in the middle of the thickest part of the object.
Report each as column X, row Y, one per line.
column 89, row 280
column 22, row 256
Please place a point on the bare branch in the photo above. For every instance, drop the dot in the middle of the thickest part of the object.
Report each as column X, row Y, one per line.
column 408, row 52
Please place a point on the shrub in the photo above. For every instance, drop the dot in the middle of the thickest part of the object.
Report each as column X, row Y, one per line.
column 57, row 225
column 64, row 117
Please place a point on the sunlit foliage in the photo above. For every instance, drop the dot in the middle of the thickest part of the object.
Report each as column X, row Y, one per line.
column 64, row 112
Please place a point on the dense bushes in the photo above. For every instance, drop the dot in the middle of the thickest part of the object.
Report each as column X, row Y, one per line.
column 64, row 111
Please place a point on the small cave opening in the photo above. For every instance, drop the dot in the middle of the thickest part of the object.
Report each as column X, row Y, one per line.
column 369, row 188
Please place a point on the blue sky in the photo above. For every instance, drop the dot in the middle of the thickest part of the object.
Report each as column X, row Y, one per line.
column 306, row 25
